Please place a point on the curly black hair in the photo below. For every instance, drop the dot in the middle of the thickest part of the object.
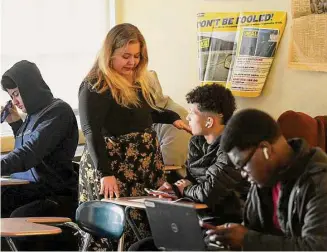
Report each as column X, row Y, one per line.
column 213, row 98
column 248, row 128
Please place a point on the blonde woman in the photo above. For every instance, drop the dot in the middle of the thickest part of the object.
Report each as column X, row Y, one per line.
column 122, row 155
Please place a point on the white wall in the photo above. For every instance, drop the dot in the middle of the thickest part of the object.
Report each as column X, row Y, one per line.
column 169, row 27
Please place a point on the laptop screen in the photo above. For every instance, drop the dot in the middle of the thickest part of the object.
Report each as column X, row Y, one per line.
column 174, row 226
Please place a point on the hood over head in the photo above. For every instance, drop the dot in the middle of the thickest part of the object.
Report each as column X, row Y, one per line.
column 34, row 91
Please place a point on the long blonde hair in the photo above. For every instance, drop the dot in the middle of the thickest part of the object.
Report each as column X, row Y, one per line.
column 103, row 77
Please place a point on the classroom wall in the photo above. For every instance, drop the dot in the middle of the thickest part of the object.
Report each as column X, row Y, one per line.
column 169, row 27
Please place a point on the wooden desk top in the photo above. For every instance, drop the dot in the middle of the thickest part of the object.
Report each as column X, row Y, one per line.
column 50, row 220
column 172, row 167
column 14, row 227
column 11, row 182
column 138, row 202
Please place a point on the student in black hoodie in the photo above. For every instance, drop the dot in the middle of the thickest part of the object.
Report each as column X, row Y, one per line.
column 286, row 207
column 45, row 145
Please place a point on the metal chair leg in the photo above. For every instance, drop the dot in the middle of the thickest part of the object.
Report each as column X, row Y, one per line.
column 84, row 236
column 11, row 244
column 86, row 241
column 131, row 223
column 121, row 243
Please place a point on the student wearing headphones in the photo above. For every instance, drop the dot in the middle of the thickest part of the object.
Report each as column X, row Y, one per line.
column 286, row 207
column 211, row 177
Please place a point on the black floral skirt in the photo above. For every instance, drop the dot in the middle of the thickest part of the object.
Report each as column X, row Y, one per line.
column 136, row 162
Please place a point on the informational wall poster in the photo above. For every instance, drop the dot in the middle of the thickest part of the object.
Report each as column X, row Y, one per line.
column 237, row 49
column 308, row 49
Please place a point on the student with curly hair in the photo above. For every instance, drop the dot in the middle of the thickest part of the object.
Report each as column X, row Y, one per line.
column 211, row 177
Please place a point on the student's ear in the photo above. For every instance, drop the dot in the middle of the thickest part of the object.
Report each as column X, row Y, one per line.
column 265, row 153
column 209, row 122
column 266, row 150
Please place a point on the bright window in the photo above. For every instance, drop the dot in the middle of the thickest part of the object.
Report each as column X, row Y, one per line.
column 61, row 36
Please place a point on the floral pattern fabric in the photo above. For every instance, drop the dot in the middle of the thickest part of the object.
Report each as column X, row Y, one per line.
column 136, row 162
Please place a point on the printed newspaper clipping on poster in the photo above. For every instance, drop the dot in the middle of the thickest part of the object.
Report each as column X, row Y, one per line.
column 237, row 49
column 308, row 44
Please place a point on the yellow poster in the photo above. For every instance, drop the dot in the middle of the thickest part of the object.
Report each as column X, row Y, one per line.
column 237, row 49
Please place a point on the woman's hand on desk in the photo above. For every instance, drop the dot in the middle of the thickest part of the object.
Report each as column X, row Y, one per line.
column 109, row 187
column 179, row 124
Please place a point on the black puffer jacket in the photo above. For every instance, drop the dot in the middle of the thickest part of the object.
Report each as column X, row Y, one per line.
column 302, row 207
column 215, row 180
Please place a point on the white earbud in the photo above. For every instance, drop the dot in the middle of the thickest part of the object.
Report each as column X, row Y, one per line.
column 207, row 124
column 265, row 153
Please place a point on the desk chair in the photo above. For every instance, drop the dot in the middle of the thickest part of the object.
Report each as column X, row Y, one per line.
column 173, row 173
column 101, row 219
column 323, row 120
column 55, row 205
column 26, row 227
column 297, row 124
